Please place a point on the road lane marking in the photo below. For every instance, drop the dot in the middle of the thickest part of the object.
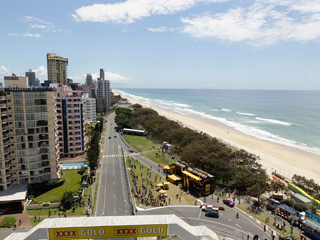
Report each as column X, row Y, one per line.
column 229, row 219
column 200, row 213
column 238, row 225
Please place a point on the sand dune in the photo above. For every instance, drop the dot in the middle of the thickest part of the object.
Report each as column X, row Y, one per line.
column 274, row 157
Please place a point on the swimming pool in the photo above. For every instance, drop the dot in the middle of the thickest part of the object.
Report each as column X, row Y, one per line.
column 73, row 165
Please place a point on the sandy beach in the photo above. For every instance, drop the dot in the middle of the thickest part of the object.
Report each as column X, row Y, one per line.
column 284, row 160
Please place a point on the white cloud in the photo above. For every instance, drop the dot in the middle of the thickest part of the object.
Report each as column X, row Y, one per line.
column 161, row 29
column 38, row 26
column 132, row 10
column 113, row 77
column 4, row 71
column 117, row 78
column 35, row 35
column 263, row 23
column 40, row 71
column 31, row 19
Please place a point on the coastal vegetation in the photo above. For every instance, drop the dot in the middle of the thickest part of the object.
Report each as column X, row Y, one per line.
column 235, row 168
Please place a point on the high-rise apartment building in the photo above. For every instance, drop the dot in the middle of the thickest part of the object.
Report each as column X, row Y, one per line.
column 28, row 149
column 70, row 121
column 32, row 78
column 103, row 93
column 57, row 68
column 89, row 108
column 89, row 80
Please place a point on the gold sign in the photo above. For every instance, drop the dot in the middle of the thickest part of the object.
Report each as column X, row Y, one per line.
column 108, row 232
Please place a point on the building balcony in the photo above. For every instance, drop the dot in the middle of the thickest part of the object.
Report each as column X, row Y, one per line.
column 5, row 128
column 6, row 151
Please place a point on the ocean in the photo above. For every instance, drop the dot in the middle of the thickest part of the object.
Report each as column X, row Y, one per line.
column 291, row 118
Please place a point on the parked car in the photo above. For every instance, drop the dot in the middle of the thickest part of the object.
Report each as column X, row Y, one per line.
column 228, row 202
column 131, row 150
column 212, row 213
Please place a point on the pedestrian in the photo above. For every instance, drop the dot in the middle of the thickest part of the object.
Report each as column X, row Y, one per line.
column 264, row 228
column 35, row 217
column 248, row 237
column 55, row 211
column 49, row 213
column 15, row 225
column 19, row 222
column 169, row 200
column 39, row 218
column 224, row 238
column 59, row 214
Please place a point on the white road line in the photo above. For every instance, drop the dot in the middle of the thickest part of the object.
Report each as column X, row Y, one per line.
column 200, row 213
column 114, row 183
column 229, row 219
column 238, row 225
column 113, row 165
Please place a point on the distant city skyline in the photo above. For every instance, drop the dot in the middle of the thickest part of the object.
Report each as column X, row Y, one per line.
column 221, row 44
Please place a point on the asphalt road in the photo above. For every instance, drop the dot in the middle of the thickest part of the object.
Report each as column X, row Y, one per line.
column 226, row 225
column 112, row 196
column 113, row 199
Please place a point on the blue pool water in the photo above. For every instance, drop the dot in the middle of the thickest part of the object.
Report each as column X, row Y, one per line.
column 73, row 166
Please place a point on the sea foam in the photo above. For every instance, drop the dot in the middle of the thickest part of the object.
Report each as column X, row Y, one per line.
column 273, row 121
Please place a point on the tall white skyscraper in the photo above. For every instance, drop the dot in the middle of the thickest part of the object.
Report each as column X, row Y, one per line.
column 103, row 93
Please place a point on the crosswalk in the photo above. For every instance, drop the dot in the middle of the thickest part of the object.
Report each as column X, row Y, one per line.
column 119, row 155
column 109, row 156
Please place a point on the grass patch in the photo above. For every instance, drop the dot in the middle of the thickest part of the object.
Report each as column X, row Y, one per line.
column 186, row 199
column 162, row 158
column 42, row 194
column 263, row 217
column 79, row 211
column 8, row 222
column 140, row 143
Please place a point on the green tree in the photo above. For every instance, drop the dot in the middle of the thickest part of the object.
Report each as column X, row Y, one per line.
column 67, row 199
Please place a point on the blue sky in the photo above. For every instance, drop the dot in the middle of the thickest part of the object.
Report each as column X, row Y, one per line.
column 235, row 44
